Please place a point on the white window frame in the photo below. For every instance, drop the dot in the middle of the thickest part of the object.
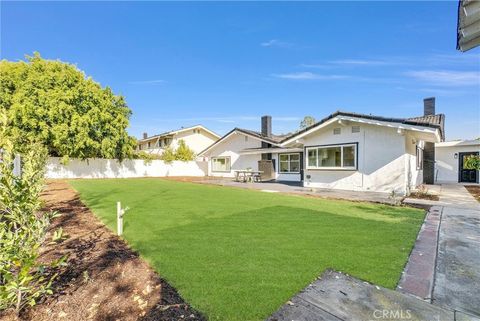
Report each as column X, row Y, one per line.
column 341, row 167
column 222, row 157
column 289, row 161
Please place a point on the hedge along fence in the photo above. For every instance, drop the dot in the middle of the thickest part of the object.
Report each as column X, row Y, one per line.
column 111, row 168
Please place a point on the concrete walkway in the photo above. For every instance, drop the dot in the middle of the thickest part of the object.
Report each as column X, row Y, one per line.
column 457, row 278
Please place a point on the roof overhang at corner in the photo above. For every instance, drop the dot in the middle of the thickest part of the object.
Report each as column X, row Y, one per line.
column 468, row 25
column 429, row 130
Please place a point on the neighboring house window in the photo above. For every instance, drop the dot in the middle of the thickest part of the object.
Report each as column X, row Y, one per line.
column 221, row 164
column 337, row 131
column 289, row 163
column 246, row 138
column 148, row 144
column 332, row 157
column 355, row 129
column 419, row 158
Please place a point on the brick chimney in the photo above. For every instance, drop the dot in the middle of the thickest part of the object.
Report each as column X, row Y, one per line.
column 429, row 148
column 267, row 126
column 145, row 135
column 429, row 106
column 267, row 132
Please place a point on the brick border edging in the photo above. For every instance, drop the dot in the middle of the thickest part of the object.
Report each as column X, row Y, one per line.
column 418, row 277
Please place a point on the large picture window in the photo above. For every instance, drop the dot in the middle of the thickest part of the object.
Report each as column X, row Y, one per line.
column 289, row 163
column 332, row 157
column 221, row 164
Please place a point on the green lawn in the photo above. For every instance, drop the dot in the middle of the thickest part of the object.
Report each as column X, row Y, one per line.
column 238, row 254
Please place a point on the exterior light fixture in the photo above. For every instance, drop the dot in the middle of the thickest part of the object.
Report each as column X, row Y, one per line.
column 455, row 155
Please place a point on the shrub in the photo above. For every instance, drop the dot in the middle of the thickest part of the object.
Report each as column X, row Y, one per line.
column 168, row 155
column 472, row 162
column 183, row 152
column 23, row 227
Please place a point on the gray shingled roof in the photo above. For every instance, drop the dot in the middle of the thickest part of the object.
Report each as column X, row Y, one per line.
column 434, row 121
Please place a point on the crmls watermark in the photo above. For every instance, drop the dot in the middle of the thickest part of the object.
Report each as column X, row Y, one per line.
column 397, row 315
column 392, row 314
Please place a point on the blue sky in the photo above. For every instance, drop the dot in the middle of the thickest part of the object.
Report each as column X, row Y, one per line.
column 225, row 64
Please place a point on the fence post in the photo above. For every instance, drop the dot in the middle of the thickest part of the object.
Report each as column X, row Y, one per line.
column 17, row 166
column 119, row 219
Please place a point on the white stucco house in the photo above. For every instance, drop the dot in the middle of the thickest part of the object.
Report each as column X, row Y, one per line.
column 344, row 150
column 197, row 138
column 449, row 158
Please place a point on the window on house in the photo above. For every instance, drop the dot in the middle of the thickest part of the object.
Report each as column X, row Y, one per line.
column 337, row 131
column 355, row 129
column 332, row 157
column 148, row 144
column 289, row 163
column 246, row 138
column 419, row 155
column 221, row 164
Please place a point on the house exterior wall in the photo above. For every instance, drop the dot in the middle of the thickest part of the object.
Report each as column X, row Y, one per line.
column 446, row 166
column 231, row 147
column 196, row 141
column 381, row 163
column 414, row 175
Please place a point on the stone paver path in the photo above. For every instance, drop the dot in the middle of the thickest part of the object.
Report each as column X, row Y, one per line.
column 336, row 296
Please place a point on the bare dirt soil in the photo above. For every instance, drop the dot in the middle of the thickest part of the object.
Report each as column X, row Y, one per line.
column 424, row 196
column 474, row 190
column 105, row 280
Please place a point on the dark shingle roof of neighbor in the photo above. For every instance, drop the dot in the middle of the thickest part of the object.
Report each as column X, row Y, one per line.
column 273, row 138
column 433, row 121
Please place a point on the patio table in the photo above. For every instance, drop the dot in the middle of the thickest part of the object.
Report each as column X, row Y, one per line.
column 247, row 175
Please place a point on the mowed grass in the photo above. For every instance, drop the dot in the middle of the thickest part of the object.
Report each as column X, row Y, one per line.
column 238, row 254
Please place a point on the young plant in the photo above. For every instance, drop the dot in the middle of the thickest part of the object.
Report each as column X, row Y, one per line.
column 23, row 227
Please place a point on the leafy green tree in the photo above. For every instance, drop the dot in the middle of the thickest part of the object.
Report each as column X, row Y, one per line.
column 183, row 152
column 307, row 121
column 54, row 103
column 472, row 162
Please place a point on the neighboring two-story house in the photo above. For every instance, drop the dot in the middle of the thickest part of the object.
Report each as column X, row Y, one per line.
column 197, row 138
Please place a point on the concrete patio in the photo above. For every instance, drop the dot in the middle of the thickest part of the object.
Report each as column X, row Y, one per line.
column 297, row 188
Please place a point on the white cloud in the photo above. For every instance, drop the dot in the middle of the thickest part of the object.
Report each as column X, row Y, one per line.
column 147, row 82
column 306, row 75
column 446, row 77
column 361, row 62
column 276, row 43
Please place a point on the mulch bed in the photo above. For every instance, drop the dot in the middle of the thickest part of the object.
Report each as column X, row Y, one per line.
column 474, row 190
column 424, row 196
column 105, row 280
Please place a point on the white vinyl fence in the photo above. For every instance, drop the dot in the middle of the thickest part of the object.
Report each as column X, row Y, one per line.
column 110, row 168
